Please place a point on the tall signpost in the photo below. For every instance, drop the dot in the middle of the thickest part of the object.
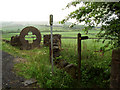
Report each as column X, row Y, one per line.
column 51, row 24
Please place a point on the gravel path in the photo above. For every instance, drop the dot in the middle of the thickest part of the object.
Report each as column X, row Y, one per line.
column 9, row 78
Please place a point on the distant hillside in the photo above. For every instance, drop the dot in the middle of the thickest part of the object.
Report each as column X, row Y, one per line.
column 42, row 26
column 27, row 23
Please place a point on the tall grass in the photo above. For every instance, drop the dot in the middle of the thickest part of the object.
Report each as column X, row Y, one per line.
column 38, row 66
column 95, row 66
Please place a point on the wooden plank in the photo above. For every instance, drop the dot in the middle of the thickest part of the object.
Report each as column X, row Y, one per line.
column 84, row 37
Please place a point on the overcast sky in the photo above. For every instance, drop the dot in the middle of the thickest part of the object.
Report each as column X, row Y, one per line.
column 33, row 10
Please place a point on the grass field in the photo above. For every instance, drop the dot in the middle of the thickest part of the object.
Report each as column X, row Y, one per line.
column 95, row 65
column 64, row 34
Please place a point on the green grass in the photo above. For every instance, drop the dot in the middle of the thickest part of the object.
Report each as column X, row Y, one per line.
column 88, row 49
column 38, row 66
column 8, row 36
column 95, row 68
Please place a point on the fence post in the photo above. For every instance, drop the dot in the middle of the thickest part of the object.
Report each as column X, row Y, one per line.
column 79, row 56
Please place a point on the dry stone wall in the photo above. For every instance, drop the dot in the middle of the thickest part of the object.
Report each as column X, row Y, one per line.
column 115, row 69
column 47, row 37
column 62, row 64
column 24, row 44
column 56, row 45
column 15, row 41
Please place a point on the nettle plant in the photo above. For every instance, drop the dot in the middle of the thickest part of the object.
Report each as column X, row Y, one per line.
column 93, row 14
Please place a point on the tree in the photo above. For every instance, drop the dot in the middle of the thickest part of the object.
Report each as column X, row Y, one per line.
column 95, row 13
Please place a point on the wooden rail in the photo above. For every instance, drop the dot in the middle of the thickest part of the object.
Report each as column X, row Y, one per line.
column 88, row 38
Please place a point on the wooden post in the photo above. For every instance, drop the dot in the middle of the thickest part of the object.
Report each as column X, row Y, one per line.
column 79, row 56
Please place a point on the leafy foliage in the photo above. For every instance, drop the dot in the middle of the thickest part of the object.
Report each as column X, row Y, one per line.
column 106, row 14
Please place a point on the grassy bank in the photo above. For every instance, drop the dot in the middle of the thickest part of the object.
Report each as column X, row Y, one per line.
column 95, row 65
column 37, row 66
column 95, row 68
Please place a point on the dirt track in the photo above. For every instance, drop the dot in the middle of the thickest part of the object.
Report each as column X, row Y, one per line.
column 9, row 78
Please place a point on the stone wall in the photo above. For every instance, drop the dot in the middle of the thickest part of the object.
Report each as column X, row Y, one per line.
column 62, row 64
column 15, row 41
column 24, row 44
column 56, row 45
column 47, row 37
column 115, row 69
